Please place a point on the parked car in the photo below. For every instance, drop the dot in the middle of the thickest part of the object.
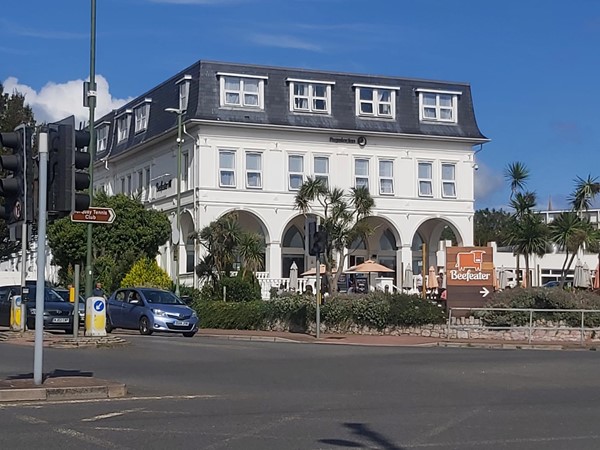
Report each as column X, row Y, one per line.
column 58, row 314
column 149, row 310
column 64, row 293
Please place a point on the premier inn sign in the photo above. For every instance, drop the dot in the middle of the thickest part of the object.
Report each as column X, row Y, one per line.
column 469, row 275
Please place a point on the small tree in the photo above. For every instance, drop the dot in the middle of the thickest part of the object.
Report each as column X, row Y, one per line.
column 344, row 219
column 146, row 272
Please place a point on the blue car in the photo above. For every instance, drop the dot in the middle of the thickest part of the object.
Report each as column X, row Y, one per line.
column 149, row 310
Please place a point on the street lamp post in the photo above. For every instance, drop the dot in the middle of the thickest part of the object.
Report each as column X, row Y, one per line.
column 179, row 113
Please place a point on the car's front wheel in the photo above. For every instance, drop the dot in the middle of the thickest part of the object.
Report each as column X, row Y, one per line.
column 145, row 326
column 108, row 325
column 189, row 334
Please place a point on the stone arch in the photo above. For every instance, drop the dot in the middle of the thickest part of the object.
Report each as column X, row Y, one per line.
column 294, row 245
column 430, row 232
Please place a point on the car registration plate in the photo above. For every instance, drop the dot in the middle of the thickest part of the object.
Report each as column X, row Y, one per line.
column 181, row 323
column 60, row 320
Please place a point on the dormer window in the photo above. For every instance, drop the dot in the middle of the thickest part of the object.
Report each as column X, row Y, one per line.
column 142, row 112
column 376, row 101
column 123, row 122
column 310, row 96
column 438, row 106
column 243, row 91
column 184, row 92
column 102, row 138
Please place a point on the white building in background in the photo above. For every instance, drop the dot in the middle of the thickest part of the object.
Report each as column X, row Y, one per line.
column 254, row 134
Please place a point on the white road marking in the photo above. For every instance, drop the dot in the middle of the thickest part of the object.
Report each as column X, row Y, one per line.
column 30, row 419
column 113, row 414
column 446, row 426
column 89, row 439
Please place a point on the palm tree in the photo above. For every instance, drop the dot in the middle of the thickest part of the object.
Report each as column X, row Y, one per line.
column 517, row 175
column 529, row 236
column 251, row 249
column 564, row 230
column 344, row 218
column 585, row 192
column 221, row 238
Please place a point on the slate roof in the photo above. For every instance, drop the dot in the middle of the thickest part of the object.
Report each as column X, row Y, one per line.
column 204, row 104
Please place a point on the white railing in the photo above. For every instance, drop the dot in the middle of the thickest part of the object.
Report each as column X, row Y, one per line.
column 531, row 323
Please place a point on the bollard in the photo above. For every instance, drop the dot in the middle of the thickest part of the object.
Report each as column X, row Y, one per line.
column 17, row 313
column 95, row 316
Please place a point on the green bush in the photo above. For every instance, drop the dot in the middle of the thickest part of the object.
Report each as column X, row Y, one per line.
column 146, row 272
column 296, row 311
column 541, row 298
column 238, row 289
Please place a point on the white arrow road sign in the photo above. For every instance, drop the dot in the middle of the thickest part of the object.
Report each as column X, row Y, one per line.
column 484, row 291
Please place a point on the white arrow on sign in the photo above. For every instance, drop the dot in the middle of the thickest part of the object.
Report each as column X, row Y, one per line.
column 484, row 291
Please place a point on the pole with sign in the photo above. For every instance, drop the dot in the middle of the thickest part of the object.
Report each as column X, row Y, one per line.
column 94, row 215
column 469, row 276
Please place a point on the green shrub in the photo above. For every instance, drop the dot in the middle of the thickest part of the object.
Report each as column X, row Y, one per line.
column 231, row 315
column 541, row 298
column 146, row 272
column 410, row 310
column 237, row 289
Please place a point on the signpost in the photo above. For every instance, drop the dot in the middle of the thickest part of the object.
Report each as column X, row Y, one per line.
column 94, row 215
column 469, row 276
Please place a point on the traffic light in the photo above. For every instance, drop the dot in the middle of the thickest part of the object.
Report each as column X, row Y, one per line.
column 17, row 189
column 67, row 168
column 319, row 242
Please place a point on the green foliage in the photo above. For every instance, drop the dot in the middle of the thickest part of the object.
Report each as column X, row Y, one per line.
column 136, row 233
column 237, row 289
column 541, row 298
column 146, row 272
column 375, row 310
column 491, row 225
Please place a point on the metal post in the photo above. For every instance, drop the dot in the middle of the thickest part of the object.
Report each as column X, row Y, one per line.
column 318, row 295
column 423, row 269
column 582, row 339
column 41, row 259
column 178, row 248
column 76, row 303
column 530, row 324
column 91, row 94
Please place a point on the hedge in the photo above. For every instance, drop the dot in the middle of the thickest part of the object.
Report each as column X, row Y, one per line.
column 375, row 310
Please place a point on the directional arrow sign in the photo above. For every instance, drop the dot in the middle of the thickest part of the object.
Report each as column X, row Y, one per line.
column 484, row 291
column 94, row 215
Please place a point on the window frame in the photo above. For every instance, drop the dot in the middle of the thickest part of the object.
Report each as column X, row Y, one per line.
column 425, row 180
column 102, row 137
column 321, row 175
column 259, row 171
column 374, row 101
column 123, row 126
column 385, row 178
column 227, row 169
column 359, row 176
column 295, row 173
column 184, row 92
column 241, row 91
column 310, row 95
column 448, row 182
column 141, row 122
column 438, row 107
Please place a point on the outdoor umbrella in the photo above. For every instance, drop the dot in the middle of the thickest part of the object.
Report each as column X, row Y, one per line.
column 587, row 276
column 294, row 276
column 408, row 282
column 597, row 276
column 369, row 266
column 313, row 271
column 502, row 279
column 432, row 282
column 578, row 275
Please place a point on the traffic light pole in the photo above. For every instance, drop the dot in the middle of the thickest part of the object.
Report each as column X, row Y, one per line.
column 91, row 95
column 41, row 259
column 318, row 296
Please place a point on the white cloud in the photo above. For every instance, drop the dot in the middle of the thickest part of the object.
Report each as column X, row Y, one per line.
column 487, row 183
column 55, row 101
column 284, row 41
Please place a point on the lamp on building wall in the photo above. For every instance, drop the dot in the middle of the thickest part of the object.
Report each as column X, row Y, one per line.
column 179, row 113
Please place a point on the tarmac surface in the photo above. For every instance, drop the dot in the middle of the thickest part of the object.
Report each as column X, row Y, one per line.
column 65, row 386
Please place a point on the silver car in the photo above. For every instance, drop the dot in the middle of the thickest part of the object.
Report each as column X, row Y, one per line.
column 149, row 310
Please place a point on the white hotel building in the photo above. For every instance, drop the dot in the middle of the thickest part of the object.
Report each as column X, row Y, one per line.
column 253, row 134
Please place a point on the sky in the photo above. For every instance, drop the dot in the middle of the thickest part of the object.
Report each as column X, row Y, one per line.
column 532, row 65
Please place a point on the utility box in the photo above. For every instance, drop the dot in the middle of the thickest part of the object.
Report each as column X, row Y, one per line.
column 17, row 313
column 95, row 316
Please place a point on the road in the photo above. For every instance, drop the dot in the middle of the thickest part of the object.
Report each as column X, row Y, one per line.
column 206, row 393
